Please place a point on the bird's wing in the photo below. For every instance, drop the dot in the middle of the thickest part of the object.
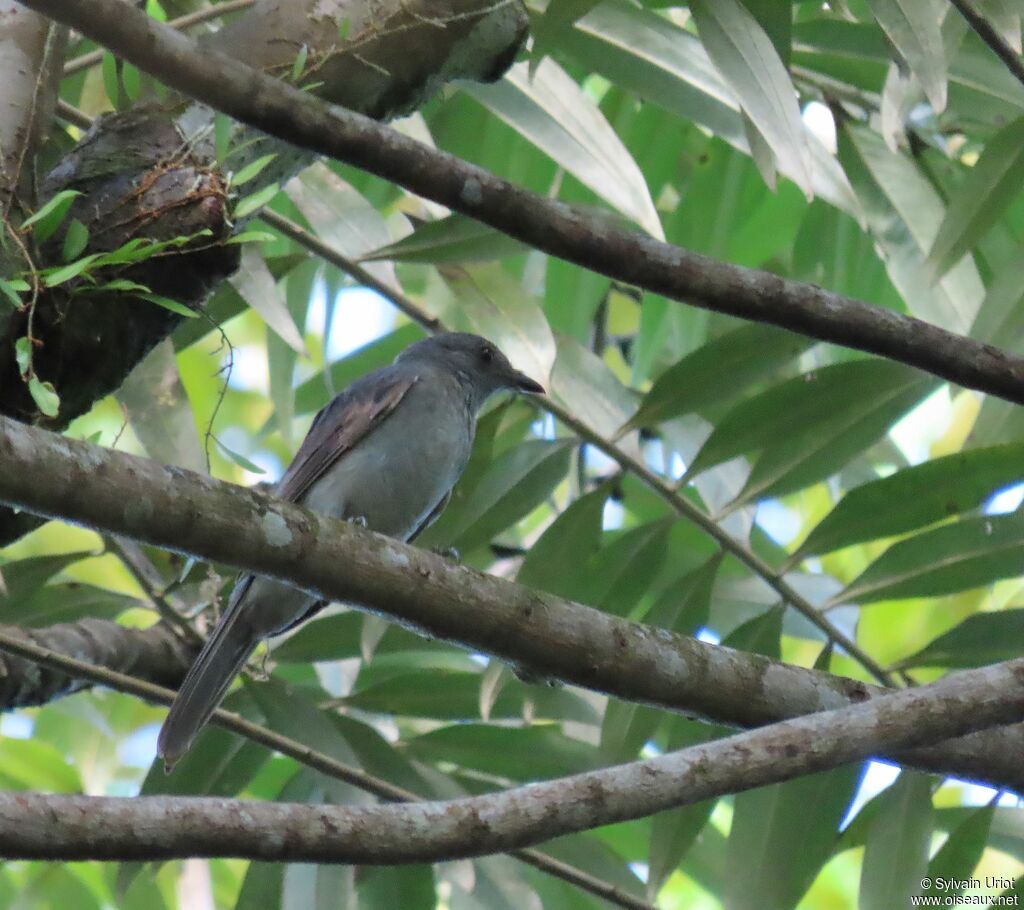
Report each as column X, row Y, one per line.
column 347, row 420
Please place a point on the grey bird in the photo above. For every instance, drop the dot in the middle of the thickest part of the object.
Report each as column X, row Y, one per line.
column 385, row 453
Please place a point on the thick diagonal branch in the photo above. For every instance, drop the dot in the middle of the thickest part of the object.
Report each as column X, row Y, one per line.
column 41, row 826
column 283, row 111
column 176, row 509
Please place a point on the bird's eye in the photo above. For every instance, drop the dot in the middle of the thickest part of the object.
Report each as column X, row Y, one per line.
column 487, row 354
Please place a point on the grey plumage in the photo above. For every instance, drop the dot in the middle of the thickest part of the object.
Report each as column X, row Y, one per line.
column 386, row 451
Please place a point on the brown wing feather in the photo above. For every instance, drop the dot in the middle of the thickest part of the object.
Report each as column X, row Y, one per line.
column 349, row 418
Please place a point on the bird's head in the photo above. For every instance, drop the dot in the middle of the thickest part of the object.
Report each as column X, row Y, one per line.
column 476, row 361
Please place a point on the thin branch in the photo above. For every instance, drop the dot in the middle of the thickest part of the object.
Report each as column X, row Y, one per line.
column 147, row 576
column 984, row 30
column 63, row 665
column 551, row 226
column 94, row 58
column 73, row 115
column 44, row 826
column 680, row 504
column 176, row 509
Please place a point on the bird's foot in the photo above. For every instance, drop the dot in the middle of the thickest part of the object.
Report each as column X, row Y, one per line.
column 359, row 520
column 450, row 553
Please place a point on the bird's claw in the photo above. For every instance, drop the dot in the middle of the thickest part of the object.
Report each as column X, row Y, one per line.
column 450, row 553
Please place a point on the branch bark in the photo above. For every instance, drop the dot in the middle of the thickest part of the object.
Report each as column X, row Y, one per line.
column 158, row 655
column 53, row 827
column 551, row 226
column 178, row 510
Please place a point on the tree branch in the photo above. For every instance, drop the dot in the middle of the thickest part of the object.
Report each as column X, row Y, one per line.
column 156, row 655
column 548, row 225
column 983, row 28
column 173, row 508
column 54, row 827
column 29, row 652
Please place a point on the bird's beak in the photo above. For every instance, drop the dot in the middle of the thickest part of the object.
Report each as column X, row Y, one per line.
column 523, row 383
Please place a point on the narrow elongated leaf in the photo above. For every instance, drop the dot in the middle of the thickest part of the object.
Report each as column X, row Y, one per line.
column 592, row 393
column 985, row 194
column 551, row 111
column 342, row 217
column 257, row 285
column 556, row 562
column 950, row 869
column 903, row 211
column 917, row 496
column 801, row 407
column 647, row 54
column 956, row 557
column 981, row 639
column 746, row 57
column 532, row 753
column 517, row 481
column 896, row 855
column 47, row 217
column 913, row 28
column 456, row 238
column 782, row 835
column 718, row 370
column 795, row 462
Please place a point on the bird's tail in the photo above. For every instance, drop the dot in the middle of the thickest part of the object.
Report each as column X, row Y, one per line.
column 220, row 660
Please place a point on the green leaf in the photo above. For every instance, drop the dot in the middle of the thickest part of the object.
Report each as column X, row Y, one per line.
column 512, row 486
column 123, row 284
column 982, row 198
column 249, row 204
column 591, row 392
column 29, row 765
column 956, row 557
column 896, row 855
column 902, row 210
column 746, row 57
column 913, row 28
column 251, row 237
column 916, row 496
column 238, row 459
column 265, row 294
column 8, row 291
column 48, row 218
column 75, row 239
column 531, row 753
column 566, row 546
column 44, row 395
column 455, row 238
column 782, row 835
column 719, row 370
column 53, row 277
column 981, row 639
column 552, row 112
column 807, row 427
column 299, row 65
column 252, row 169
column 168, row 304
column 959, row 856
column 23, row 354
